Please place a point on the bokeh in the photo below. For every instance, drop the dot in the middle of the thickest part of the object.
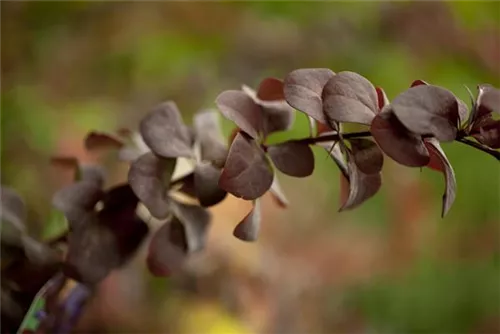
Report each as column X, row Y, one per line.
column 391, row 266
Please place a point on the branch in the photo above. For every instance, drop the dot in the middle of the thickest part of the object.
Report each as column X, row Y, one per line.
column 480, row 147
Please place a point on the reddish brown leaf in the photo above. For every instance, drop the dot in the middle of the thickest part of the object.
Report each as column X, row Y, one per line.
column 206, row 184
column 367, row 155
column 303, row 88
column 271, row 89
column 248, row 228
column 382, row 99
column 247, row 173
column 418, row 82
column 292, row 158
column 349, row 97
column 196, row 221
column 240, row 108
column 99, row 140
column 489, row 133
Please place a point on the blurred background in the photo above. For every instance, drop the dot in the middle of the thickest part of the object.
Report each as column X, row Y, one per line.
column 391, row 266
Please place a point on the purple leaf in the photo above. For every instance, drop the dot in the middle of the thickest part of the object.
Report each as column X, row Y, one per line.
column 99, row 140
column 428, row 110
column 271, row 89
column 303, row 88
column 248, row 228
column 277, row 193
column 397, row 142
column 489, row 98
column 209, row 135
column 247, row 173
column 361, row 186
column 292, row 158
column 438, row 155
column 168, row 249
column 206, row 184
column 93, row 174
column 196, row 221
column 367, row 155
column 489, row 133
column 240, row 108
column 349, row 97
column 149, row 177
column 165, row 133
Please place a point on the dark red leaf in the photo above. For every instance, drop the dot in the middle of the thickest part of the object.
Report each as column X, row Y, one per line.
column 165, row 133
column 446, row 168
column 271, row 89
column 418, row 82
column 367, row 155
column 149, row 177
column 277, row 193
column 489, row 133
column 12, row 217
column 196, row 221
column 397, row 142
column 361, row 186
column 99, row 140
column 248, row 228
column 292, row 158
column 209, row 134
column 206, row 184
column 240, row 108
column 303, row 88
column 382, row 99
column 247, row 173
column 349, row 97
column 428, row 110
column 168, row 249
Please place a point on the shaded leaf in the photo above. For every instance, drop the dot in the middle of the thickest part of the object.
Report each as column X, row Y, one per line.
column 168, row 249
column 209, row 134
column 489, row 134
column 367, row 155
column 277, row 193
column 271, row 89
column 149, row 177
column 94, row 174
column 428, row 110
column 129, row 154
column 278, row 117
column 446, row 168
column 206, row 184
column 349, row 97
column 239, row 107
column 13, row 216
column 489, row 98
column 361, row 186
column 195, row 220
column 248, row 228
column 96, row 140
column 303, row 88
column 292, row 158
column 397, row 142
column 247, row 173
column 165, row 133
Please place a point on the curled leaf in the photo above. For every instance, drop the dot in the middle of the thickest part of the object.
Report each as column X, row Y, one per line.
column 367, row 155
column 149, row 177
column 168, row 249
column 277, row 193
column 165, row 133
column 209, row 134
column 303, row 88
column 428, row 110
column 240, row 108
column 248, row 228
column 397, row 142
column 489, row 133
column 349, row 97
column 488, row 98
column 292, row 158
column 206, row 184
column 382, row 99
column 271, row 89
column 99, row 140
column 445, row 167
column 247, row 173
column 195, row 220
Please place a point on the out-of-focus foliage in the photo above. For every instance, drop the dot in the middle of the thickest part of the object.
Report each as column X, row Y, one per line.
column 390, row 266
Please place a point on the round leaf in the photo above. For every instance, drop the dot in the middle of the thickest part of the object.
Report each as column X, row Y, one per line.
column 367, row 155
column 206, row 184
column 271, row 89
column 292, row 158
column 240, row 108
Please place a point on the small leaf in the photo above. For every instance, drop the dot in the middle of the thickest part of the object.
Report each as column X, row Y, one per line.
column 277, row 117
column 381, row 98
column 303, row 88
column 489, row 98
column 65, row 169
column 196, row 221
column 418, row 82
column 13, row 216
column 277, row 193
column 446, row 168
column 361, row 186
column 206, row 184
column 367, row 155
column 149, row 177
column 99, row 140
column 240, row 108
column 165, row 133
column 292, row 158
column 271, row 89
column 209, row 134
column 428, row 110
column 248, row 228
column 168, row 249
column 397, row 142
column 349, row 97
column 489, row 134
column 247, row 173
